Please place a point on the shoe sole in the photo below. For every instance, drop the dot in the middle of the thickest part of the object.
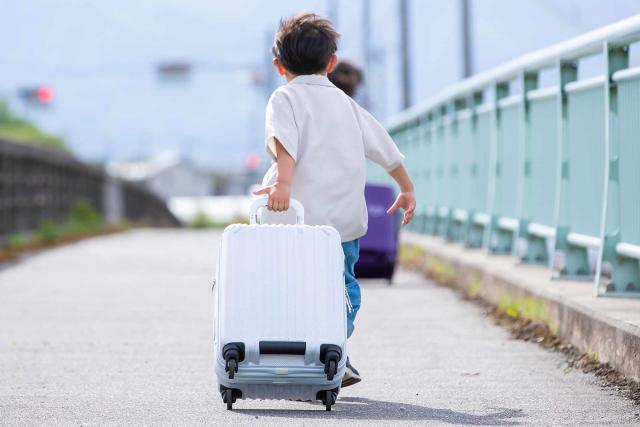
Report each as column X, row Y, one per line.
column 350, row 381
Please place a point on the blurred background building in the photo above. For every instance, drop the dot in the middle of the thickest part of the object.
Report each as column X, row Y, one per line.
column 167, row 175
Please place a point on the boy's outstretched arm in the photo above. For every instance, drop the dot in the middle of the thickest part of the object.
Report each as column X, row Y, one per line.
column 406, row 199
column 280, row 192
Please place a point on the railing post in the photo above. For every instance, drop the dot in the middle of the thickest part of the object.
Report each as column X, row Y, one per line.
column 421, row 174
column 457, row 230
column 536, row 247
column 494, row 237
column 428, row 224
column 442, row 212
column 623, row 270
column 567, row 72
column 475, row 231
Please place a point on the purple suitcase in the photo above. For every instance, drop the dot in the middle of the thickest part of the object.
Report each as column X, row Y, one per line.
column 379, row 247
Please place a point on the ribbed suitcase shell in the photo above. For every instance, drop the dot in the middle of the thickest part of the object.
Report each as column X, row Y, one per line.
column 280, row 283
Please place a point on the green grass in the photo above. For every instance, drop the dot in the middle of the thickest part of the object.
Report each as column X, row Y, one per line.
column 84, row 220
column 534, row 309
column 593, row 356
column 411, row 256
column 474, row 287
column 17, row 129
column 17, row 241
column 49, row 232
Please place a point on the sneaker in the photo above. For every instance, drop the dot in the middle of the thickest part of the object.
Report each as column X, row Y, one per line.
column 351, row 375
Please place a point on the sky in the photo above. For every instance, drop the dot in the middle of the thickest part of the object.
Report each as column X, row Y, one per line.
column 100, row 57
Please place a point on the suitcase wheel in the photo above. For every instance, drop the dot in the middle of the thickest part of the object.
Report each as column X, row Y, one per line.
column 328, row 397
column 229, row 396
column 228, row 399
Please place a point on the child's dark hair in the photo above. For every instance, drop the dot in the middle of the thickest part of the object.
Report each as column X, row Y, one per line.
column 304, row 43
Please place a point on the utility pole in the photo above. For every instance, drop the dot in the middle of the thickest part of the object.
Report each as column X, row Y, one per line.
column 465, row 21
column 405, row 65
column 332, row 12
column 269, row 70
column 366, row 52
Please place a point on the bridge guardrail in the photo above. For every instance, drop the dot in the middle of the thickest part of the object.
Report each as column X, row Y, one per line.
column 544, row 172
column 41, row 184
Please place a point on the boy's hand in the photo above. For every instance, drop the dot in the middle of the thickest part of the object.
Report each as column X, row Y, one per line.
column 406, row 201
column 279, row 194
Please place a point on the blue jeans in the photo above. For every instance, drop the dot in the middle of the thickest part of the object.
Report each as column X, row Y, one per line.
column 351, row 252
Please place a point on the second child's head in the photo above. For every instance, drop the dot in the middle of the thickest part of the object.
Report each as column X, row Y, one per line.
column 305, row 44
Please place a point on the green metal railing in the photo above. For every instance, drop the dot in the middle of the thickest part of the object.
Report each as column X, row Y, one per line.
column 550, row 174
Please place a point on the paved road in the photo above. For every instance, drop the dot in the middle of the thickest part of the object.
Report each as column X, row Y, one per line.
column 117, row 330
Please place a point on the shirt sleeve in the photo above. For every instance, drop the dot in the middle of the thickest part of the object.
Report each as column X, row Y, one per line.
column 280, row 123
column 378, row 145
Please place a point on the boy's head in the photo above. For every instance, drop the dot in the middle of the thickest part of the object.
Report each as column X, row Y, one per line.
column 305, row 44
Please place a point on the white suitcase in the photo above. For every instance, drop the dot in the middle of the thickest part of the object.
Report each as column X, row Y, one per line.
column 280, row 315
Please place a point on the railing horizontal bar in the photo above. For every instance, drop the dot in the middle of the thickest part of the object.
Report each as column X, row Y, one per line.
column 586, row 84
column 481, row 218
column 583, row 240
column 627, row 74
column 510, row 101
column 464, row 114
column 484, row 108
column 507, row 223
column 590, row 43
column 460, row 215
column 443, row 211
column 541, row 230
column 547, row 92
column 628, row 250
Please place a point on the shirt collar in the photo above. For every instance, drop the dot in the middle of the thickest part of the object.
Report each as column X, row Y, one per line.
column 312, row 79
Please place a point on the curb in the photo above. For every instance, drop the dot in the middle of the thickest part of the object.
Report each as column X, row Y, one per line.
column 607, row 328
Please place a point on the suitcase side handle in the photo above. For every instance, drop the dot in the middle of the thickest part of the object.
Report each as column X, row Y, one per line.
column 296, row 348
column 262, row 203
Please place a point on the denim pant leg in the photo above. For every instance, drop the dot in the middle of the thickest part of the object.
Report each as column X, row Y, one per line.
column 351, row 252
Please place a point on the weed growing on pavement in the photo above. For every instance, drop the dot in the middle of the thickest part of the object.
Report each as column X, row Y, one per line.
column 593, row 355
column 412, row 256
column 474, row 287
column 534, row 309
column 439, row 270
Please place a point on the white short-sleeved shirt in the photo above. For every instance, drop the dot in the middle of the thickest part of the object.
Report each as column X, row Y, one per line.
column 329, row 136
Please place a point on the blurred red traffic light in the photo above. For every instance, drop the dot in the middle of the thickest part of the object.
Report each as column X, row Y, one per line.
column 37, row 96
column 45, row 94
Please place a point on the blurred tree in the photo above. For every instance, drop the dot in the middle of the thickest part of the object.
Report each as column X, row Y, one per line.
column 15, row 128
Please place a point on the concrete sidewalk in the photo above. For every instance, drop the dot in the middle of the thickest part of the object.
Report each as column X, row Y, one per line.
column 608, row 328
column 118, row 330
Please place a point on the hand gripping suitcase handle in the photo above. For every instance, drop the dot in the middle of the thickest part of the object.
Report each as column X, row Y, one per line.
column 262, row 203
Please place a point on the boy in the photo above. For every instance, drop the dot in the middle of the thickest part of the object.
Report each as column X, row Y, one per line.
column 319, row 139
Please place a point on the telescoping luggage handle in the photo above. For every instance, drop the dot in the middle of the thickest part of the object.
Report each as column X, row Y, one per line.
column 262, row 203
